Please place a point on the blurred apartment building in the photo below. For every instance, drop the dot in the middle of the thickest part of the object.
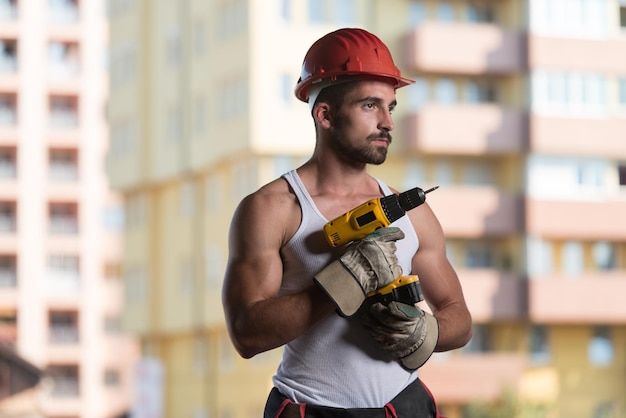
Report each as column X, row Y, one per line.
column 518, row 113
column 60, row 224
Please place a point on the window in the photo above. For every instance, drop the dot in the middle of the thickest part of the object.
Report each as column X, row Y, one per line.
column 63, row 275
column 606, row 409
column 601, row 350
column 113, row 217
column 443, row 173
column 187, row 284
column 123, row 64
column 417, row 13
column 417, row 94
column 345, row 12
column 199, row 37
column 64, row 111
column 622, row 89
column 63, row 59
column 478, row 13
column 214, row 191
column 200, row 114
column 604, row 255
column 8, row 56
column 572, row 258
column 414, row 175
column 65, row 381
column 8, row 215
column 478, row 92
column 63, row 218
column 8, row 108
column 63, row 164
column 112, row 324
column 187, row 198
column 63, row 11
column 478, row 173
column 124, row 138
column 539, row 346
column 285, row 10
column 136, row 285
column 286, row 89
column 445, row 12
column 200, row 356
column 8, row 9
column 621, row 173
column 214, row 268
column 174, row 123
column 63, row 327
column 111, row 378
column 540, row 256
column 481, row 340
column 479, row 255
column 316, row 11
column 173, row 47
column 8, row 158
column 8, row 271
column 445, row 91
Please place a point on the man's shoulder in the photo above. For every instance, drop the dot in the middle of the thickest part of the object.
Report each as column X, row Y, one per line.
column 276, row 195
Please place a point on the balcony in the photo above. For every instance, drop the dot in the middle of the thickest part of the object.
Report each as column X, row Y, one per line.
column 487, row 211
column 472, row 377
column 466, row 129
column 588, row 298
column 581, row 220
column 464, row 49
column 575, row 136
column 577, row 53
column 492, row 295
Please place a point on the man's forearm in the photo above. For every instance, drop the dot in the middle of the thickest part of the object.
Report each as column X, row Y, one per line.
column 271, row 323
column 455, row 327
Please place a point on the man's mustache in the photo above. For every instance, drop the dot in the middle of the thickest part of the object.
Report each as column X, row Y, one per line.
column 382, row 134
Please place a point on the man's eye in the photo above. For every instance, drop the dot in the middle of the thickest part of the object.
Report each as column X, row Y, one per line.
column 369, row 105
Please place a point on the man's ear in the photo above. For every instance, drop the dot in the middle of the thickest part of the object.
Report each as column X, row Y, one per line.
column 321, row 115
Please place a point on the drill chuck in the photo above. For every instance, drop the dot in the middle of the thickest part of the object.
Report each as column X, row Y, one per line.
column 371, row 215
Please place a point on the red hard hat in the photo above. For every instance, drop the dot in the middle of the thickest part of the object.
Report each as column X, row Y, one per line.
column 347, row 51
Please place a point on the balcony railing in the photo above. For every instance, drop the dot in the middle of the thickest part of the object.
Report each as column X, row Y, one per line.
column 63, row 334
column 64, row 226
column 65, row 387
column 8, row 279
column 464, row 48
column 475, row 129
column 8, row 64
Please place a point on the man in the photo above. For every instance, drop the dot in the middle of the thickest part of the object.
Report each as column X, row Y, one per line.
column 285, row 286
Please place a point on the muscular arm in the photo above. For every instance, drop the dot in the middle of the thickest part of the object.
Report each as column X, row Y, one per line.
column 440, row 282
column 257, row 319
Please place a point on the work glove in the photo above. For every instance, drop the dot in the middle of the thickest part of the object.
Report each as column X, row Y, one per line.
column 404, row 331
column 366, row 265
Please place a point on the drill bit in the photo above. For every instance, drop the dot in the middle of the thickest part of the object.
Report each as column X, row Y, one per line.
column 431, row 189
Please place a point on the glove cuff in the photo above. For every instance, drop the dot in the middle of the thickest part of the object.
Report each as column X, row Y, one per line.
column 342, row 287
column 417, row 358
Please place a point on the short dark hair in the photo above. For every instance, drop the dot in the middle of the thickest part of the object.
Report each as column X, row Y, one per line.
column 334, row 94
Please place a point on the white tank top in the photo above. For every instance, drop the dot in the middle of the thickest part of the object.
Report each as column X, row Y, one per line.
column 336, row 363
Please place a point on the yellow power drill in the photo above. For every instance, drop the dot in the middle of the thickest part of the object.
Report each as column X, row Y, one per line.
column 365, row 219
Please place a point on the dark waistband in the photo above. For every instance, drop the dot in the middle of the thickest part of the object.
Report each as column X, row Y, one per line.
column 414, row 401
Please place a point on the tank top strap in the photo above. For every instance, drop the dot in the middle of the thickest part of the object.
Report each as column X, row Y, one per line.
column 306, row 201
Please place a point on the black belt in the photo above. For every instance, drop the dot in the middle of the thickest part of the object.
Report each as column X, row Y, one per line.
column 415, row 401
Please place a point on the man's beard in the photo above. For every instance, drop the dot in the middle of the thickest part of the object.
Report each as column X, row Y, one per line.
column 365, row 154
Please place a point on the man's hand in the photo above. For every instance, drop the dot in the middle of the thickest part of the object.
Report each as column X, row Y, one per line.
column 366, row 265
column 405, row 331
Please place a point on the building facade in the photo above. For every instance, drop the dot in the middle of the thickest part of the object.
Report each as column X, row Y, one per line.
column 518, row 113
column 60, row 224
